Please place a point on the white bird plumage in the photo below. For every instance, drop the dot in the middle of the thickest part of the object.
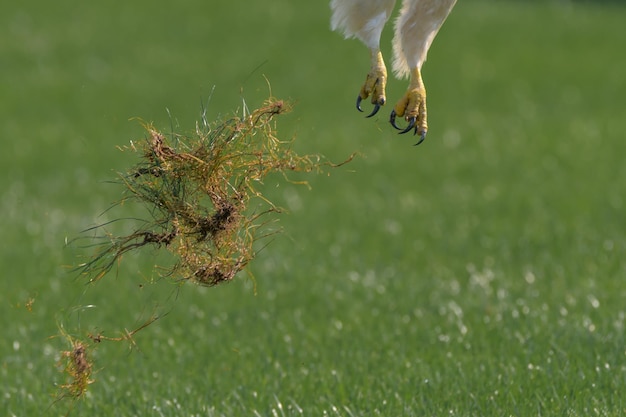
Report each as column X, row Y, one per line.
column 415, row 28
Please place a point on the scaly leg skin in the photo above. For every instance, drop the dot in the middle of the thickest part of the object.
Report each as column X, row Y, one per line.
column 413, row 107
column 375, row 83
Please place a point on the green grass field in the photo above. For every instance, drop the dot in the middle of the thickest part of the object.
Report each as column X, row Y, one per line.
column 479, row 274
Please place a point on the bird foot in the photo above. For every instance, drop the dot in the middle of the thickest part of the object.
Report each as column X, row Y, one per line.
column 412, row 106
column 374, row 85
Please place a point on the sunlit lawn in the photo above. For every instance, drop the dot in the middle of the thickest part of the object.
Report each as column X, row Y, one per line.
column 481, row 273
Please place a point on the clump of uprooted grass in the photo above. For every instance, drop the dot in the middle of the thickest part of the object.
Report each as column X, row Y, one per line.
column 198, row 191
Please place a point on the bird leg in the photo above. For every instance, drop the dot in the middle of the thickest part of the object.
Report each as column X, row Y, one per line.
column 413, row 107
column 375, row 83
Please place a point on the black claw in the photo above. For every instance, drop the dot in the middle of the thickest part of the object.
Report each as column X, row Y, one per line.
column 422, row 137
column 411, row 125
column 376, row 108
column 358, row 103
column 374, row 111
column 392, row 119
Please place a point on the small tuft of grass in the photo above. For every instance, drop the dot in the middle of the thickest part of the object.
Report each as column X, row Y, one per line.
column 77, row 366
column 76, row 363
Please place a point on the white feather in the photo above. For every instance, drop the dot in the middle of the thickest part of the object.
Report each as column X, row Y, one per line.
column 415, row 28
column 361, row 19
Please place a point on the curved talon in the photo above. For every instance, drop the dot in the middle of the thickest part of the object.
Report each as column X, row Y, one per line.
column 411, row 125
column 412, row 122
column 374, row 111
column 422, row 137
column 358, row 103
column 376, row 108
column 392, row 119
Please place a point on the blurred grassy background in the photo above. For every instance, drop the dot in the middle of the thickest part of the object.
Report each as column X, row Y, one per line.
column 478, row 274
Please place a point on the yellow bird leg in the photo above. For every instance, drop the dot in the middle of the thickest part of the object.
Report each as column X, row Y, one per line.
column 375, row 83
column 412, row 106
